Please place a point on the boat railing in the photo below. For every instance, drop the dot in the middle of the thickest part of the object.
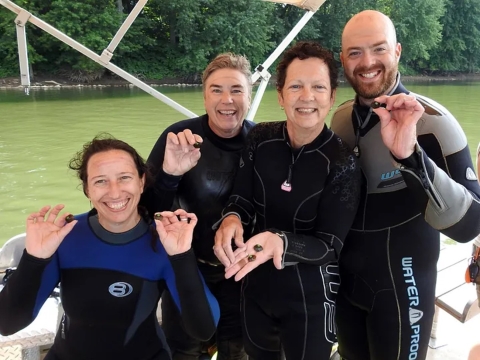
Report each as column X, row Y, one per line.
column 261, row 71
column 31, row 341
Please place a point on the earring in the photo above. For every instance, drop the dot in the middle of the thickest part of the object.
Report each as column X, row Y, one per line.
column 281, row 108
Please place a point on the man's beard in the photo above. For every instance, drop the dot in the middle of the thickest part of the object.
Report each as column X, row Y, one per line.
column 373, row 90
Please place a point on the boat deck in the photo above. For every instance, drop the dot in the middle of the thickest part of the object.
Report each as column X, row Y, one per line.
column 458, row 338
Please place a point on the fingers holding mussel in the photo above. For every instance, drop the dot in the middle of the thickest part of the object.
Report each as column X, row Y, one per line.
column 376, row 105
column 160, row 217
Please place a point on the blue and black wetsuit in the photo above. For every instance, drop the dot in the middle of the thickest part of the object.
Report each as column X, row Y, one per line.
column 110, row 287
column 204, row 190
column 385, row 304
column 309, row 196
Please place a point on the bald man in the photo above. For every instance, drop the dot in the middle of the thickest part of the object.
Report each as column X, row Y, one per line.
column 418, row 181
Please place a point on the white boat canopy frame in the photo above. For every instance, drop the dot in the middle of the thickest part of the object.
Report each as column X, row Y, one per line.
column 261, row 71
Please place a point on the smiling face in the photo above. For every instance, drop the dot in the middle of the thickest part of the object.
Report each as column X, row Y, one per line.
column 114, row 188
column 226, row 99
column 370, row 54
column 307, row 95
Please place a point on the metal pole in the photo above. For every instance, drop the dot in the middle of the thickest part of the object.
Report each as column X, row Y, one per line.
column 288, row 39
column 11, row 6
column 258, row 98
column 90, row 54
column 20, row 22
column 115, row 69
column 108, row 52
column 262, row 70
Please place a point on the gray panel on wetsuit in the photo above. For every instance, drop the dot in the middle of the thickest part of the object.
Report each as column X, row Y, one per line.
column 376, row 162
column 374, row 159
column 439, row 122
column 454, row 199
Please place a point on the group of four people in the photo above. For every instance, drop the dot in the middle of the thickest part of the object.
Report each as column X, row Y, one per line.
column 362, row 202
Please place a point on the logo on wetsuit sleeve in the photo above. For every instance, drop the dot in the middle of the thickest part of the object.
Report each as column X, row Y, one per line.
column 414, row 314
column 470, row 175
column 331, row 282
column 120, row 289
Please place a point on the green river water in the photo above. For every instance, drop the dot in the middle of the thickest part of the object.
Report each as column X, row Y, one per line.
column 39, row 133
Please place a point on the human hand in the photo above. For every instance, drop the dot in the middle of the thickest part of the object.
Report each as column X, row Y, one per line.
column 46, row 231
column 399, row 123
column 231, row 228
column 175, row 235
column 182, row 152
column 259, row 249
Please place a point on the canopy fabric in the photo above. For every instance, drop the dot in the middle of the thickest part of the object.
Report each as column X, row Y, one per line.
column 311, row 5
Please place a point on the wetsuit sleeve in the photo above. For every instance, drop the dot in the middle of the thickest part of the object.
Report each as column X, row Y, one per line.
column 26, row 291
column 160, row 195
column 198, row 307
column 445, row 184
column 336, row 212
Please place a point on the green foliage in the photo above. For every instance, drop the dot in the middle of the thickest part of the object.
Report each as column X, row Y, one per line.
column 9, row 65
column 92, row 23
column 178, row 38
column 459, row 50
column 194, row 32
column 418, row 27
column 331, row 18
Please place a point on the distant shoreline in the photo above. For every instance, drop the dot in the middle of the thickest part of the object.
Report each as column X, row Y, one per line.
column 56, row 82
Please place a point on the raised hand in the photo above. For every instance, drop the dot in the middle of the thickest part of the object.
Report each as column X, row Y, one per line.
column 175, row 230
column 399, row 123
column 231, row 228
column 259, row 249
column 46, row 231
column 182, row 152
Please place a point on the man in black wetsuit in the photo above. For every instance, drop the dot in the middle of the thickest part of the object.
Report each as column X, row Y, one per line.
column 418, row 180
column 200, row 180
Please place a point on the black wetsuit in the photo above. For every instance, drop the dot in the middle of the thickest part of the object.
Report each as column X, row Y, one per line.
column 110, row 288
column 385, row 305
column 204, row 191
column 476, row 243
column 310, row 196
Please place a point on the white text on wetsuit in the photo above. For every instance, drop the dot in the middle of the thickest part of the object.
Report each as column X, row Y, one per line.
column 414, row 314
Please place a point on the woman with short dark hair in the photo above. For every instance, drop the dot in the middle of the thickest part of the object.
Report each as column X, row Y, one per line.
column 298, row 183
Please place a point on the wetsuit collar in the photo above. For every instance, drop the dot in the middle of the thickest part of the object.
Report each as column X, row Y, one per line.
column 317, row 143
column 116, row 238
column 228, row 144
column 363, row 116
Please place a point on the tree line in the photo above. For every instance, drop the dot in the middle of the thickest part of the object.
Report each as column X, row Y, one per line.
column 178, row 38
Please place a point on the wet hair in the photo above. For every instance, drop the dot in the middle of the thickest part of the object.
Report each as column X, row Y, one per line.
column 105, row 142
column 305, row 50
column 229, row 61
column 101, row 143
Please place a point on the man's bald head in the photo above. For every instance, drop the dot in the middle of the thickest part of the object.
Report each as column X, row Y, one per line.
column 370, row 54
column 369, row 21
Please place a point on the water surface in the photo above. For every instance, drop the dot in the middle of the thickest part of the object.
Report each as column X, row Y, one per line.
column 40, row 133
